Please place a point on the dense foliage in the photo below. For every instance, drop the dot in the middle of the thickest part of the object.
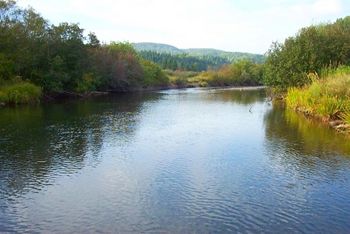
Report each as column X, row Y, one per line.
column 230, row 56
column 327, row 97
column 62, row 58
column 171, row 57
column 183, row 61
column 311, row 50
column 240, row 73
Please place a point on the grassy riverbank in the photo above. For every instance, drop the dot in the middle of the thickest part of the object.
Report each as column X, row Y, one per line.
column 19, row 93
column 326, row 98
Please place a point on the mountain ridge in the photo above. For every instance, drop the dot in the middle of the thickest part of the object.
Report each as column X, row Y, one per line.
column 197, row 52
column 157, row 47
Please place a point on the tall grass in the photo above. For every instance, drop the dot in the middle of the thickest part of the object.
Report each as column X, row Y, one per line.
column 20, row 93
column 181, row 78
column 326, row 97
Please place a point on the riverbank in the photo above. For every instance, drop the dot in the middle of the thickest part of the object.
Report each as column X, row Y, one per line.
column 30, row 97
column 326, row 99
column 21, row 92
column 70, row 95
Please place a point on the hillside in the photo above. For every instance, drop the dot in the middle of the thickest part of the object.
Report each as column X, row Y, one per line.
column 183, row 61
column 157, row 47
column 201, row 52
column 231, row 56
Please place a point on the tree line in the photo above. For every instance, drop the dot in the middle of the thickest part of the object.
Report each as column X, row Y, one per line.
column 184, row 62
column 61, row 57
column 312, row 50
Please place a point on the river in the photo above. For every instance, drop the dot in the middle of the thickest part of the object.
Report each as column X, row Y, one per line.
column 176, row 161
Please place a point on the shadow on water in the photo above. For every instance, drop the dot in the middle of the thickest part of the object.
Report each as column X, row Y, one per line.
column 39, row 143
column 303, row 135
column 305, row 147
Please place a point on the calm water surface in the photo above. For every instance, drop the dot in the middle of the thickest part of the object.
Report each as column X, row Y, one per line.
column 179, row 161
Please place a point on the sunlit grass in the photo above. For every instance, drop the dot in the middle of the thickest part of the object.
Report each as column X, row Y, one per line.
column 328, row 98
column 20, row 93
column 346, row 117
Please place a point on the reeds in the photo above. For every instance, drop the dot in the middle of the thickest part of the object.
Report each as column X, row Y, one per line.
column 328, row 98
column 20, row 93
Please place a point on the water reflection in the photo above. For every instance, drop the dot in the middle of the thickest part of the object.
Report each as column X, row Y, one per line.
column 239, row 96
column 40, row 143
column 293, row 141
column 311, row 163
column 177, row 161
column 303, row 136
column 236, row 95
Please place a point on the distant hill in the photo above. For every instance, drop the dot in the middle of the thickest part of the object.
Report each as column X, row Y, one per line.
column 157, row 47
column 202, row 53
column 231, row 56
column 183, row 62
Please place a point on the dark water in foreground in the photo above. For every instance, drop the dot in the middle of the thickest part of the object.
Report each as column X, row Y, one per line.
column 203, row 161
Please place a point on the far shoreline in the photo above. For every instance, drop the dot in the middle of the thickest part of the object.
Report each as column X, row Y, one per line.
column 66, row 95
column 72, row 95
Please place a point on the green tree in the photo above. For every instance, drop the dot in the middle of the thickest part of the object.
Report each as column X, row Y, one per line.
column 311, row 50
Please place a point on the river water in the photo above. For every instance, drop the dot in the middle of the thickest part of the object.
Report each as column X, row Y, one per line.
column 177, row 161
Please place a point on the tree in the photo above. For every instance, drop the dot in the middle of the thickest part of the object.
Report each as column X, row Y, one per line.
column 311, row 50
column 93, row 41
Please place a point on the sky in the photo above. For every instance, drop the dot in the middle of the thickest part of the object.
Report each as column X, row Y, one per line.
column 231, row 25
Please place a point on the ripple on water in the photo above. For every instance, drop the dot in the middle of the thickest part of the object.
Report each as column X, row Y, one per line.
column 181, row 161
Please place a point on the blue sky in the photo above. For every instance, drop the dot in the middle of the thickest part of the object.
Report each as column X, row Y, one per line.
column 232, row 25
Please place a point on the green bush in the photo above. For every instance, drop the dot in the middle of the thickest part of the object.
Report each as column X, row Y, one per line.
column 88, row 83
column 20, row 93
column 311, row 50
column 326, row 98
column 153, row 75
column 240, row 73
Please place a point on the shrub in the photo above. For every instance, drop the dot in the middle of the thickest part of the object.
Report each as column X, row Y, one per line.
column 327, row 98
column 240, row 73
column 20, row 93
column 88, row 83
column 311, row 50
column 153, row 74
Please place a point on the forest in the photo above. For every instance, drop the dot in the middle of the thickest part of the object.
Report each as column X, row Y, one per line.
column 37, row 57
column 193, row 59
column 184, row 62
